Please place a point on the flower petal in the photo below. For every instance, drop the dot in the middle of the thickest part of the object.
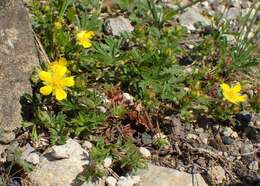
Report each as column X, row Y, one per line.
column 86, row 44
column 62, row 61
column 241, row 98
column 80, row 35
column 45, row 76
column 89, row 35
column 60, row 94
column 68, row 81
column 46, row 90
column 225, row 87
column 237, row 88
column 59, row 71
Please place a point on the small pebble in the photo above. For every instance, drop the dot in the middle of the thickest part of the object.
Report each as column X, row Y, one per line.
column 107, row 162
column 246, row 148
column 254, row 166
column 234, row 135
column 125, row 181
column 227, row 131
column 136, row 179
column 146, row 138
column 199, row 130
column 87, row 145
column 102, row 109
column 227, row 140
column 217, row 174
column 128, row 98
column 111, row 181
column 33, row 158
column 192, row 136
column 145, row 152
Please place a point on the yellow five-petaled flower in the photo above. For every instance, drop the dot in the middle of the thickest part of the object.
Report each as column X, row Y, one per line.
column 84, row 37
column 232, row 94
column 55, row 81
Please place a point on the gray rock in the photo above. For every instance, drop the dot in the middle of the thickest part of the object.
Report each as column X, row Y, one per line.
column 227, row 131
column 125, row 181
column 18, row 57
column 217, row 174
column 61, row 172
column 6, row 137
column 191, row 17
column 111, row 181
column 145, row 152
column 87, row 145
column 118, row 25
column 161, row 176
column 246, row 148
column 3, row 153
column 232, row 13
column 97, row 183
column 227, row 140
column 26, row 150
column 33, row 158
column 62, row 151
column 128, row 98
column 253, row 166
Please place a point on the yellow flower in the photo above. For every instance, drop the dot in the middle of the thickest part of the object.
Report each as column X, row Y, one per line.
column 60, row 62
column 55, row 82
column 83, row 38
column 232, row 94
column 58, row 25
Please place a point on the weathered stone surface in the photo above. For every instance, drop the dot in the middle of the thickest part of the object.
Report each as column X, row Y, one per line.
column 63, row 172
column 18, row 57
column 191, row 17
column 161, row 176
column 118, row 25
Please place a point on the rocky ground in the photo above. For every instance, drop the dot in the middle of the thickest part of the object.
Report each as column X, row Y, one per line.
column 205, row 153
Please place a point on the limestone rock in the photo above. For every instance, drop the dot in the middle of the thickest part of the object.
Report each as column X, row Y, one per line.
column 125, row 181
column 217, row 174
column 111, row 181
column 118, row 25
column 18, row 57
column 145, row 152
column 63, row 172
column 33, row 158
column 3, row 153
column 191, row 17
column 6, row 136
column 161, row 176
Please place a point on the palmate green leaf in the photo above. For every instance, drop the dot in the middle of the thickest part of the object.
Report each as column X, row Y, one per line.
column 107, row 52
column 68, row 105
column 86, row 122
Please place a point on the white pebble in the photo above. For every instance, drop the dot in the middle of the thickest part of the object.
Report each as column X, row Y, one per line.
column 145, row 152
column 111, row 181
column 234, row 135
column 128, row 98
column 87, row 145
column 107, row 162
column 125, row 181
column 253, row 166
column 136, row 179
column 192, row 136
column 33, row 158
column 102, row 109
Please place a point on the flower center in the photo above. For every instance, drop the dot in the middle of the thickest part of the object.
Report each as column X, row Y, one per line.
column 56, row 83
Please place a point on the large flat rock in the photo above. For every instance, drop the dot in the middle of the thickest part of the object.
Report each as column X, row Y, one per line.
column 161, row 176
column 18, row 57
